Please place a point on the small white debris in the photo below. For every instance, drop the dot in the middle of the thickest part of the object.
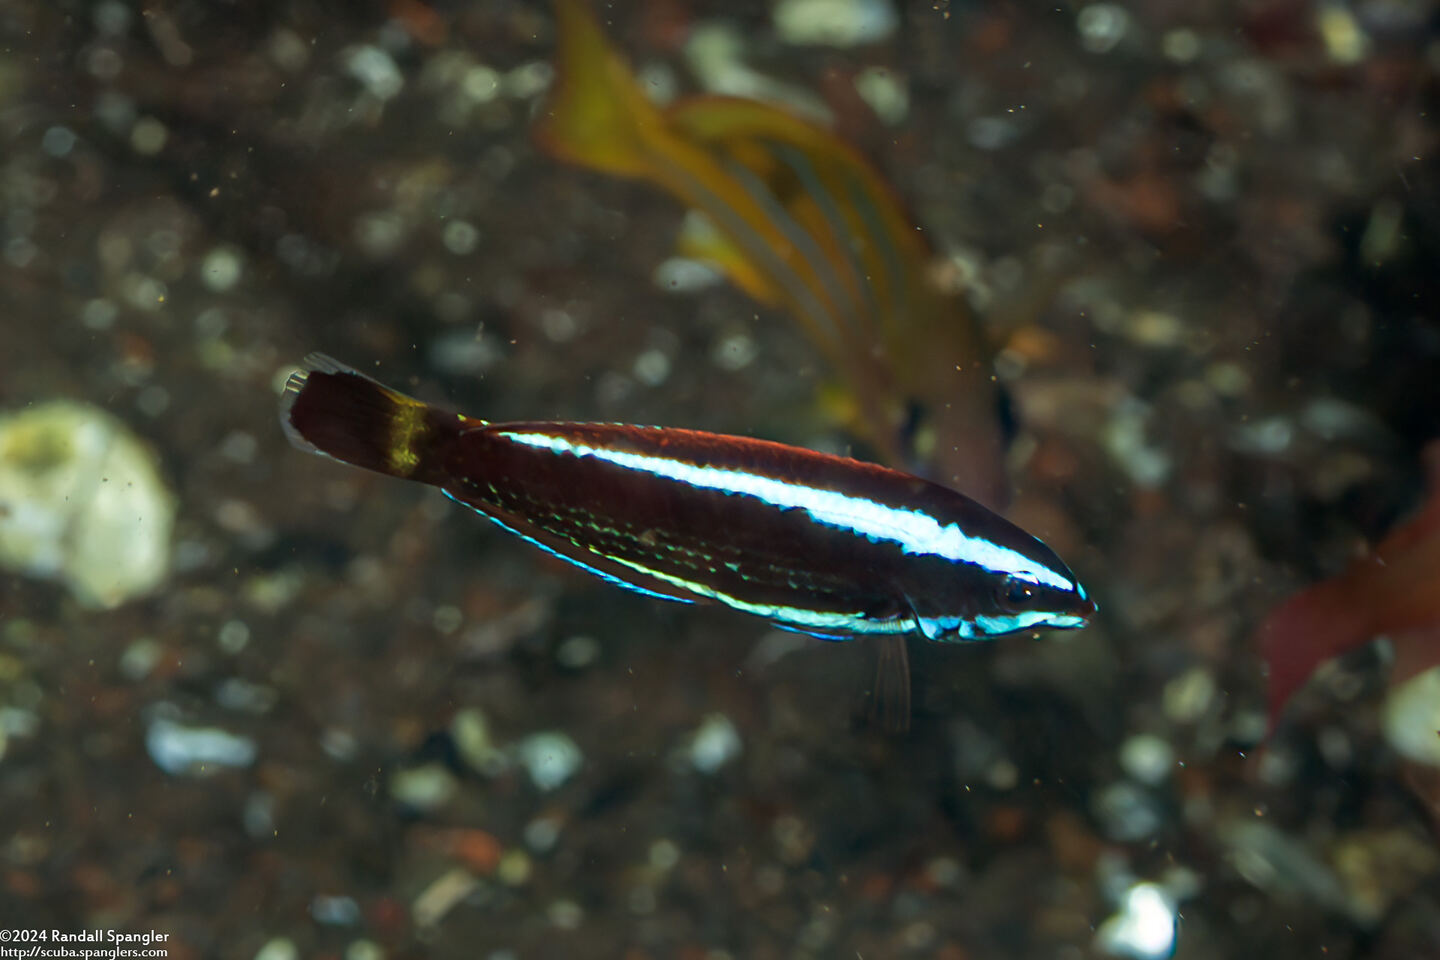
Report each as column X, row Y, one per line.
column 715, row 743
column 1268, row 437
column 243, row 696
column 1126, row 812
column 221, row 268
column 551, row 758
column 375, row 71
column 289, row 50
column 442, row 896
column 148, row 136
column 140, row 658
column 99, row 314
column 566, row 914
column 379, row 234
column 423, row 788
column 885, row 93
column 335, row 911
column 461, row 238
column 1147, row 758
column 542, row 833
column 281, row 948
column 58, row 141
column 664, row 855
column 652, row 368
column 233, row 637
column 715, row 53
column 1102, row 26
column 1124, row 438
column 464, row 352
column 1180, row 45
column 1187, row 697
column 1143, row 928
column 471, row 732
column 480, row 84
column 734, row 351
column 1345, row 40
column 529, row 79
column 577, row 653
column 834, row 23
column 559, row 326
column 683, row 275
column 195, row 751
column 259, row 814
column 514, row 868
column 1155, row 328
column 447, row 618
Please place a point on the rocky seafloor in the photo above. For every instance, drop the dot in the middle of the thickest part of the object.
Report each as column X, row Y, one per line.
column 276, row 708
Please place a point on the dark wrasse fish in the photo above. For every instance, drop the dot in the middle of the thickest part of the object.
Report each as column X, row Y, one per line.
column 812, row 542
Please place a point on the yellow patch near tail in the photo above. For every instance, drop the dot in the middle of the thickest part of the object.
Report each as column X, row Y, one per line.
column 407, row 430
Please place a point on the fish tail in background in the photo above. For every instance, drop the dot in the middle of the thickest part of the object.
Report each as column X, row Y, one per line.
column 597, row 116
column 329, row 408
column 801, row 221
column 1304, row 632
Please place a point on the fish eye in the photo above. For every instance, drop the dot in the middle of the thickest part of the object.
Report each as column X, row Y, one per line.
column 1018, row 593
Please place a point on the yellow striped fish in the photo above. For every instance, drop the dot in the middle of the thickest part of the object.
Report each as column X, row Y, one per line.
column 799, row 220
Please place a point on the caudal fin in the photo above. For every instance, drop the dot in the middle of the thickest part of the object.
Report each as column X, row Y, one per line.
column 331, row 409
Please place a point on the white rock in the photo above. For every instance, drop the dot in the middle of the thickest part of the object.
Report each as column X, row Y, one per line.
column 715, row 744
column 550, row 757
column 81, row 502
column 195, row 751
column 1147, row 758
column 1412, row 718
column 835, row 23
column 1143, row 928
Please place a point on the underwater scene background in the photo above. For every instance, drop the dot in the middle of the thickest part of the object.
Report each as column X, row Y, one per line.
column 1157, row 281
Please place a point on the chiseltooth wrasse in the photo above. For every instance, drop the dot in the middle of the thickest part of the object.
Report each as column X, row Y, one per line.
column 799, row 220
column 812, row 542
column 1393, row 591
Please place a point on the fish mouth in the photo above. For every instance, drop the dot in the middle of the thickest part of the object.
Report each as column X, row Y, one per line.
column 1068, row 621
column 1078, row 614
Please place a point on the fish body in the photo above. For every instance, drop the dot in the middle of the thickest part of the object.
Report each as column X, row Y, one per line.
column 799, row 220
column 809, row 541
column 1393, row 591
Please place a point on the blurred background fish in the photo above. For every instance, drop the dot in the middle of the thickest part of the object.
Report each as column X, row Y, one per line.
column 799, row 220
column 1392, row 591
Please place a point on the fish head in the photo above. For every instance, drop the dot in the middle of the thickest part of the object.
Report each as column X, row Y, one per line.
column 1018, row 604
column 1009, row 583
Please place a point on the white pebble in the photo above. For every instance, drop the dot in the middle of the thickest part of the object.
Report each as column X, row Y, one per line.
column 82, row 502
column 375, row 71
column 551, row 758
column 1147, row 758
column 195, row 751
column 1143, row 928
column 1412, row 718
column 281, row 948
column 834, row 23
column 221, row 268
column 715, row 744
column 1102, row 26
column 424, row 788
